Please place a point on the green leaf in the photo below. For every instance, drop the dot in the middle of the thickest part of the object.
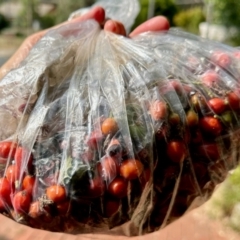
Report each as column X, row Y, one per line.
column 136, row 123
column 80, row 182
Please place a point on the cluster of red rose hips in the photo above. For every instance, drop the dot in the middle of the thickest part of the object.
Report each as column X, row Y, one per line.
column 194, row 139
column 192, row 122
column 113, row 174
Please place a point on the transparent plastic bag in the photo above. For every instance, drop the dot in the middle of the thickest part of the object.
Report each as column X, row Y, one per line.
column 124, row 11
column 113, row 134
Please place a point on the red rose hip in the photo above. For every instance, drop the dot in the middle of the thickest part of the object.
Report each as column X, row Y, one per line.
column 28, row 183
column 176, row 151
column 210, row 151
column 13, row 173
column 7, row 149
column 23, row 158
column 56, row 193
column 233, row 100
column 210, row 78
column 221, row 58
column 22, row 201
column 5, row 189
column 118, row 187
column 131, row 169
column 111, row 207
column 210, row 126
column 217, row 105
column 158, row 110
column 96, row 188
column 109, row 126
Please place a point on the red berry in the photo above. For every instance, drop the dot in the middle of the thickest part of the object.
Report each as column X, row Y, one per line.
column 28, row 183
column 209, row 78
column 34, row 210
column 111, row 207
column 97, row 187
column 210, row 151
column 233, row 100
column 109, row 126
column 176, row 151
column 22, row 201
column 118, row 187
column 131, row 169
column 56, row 193
column 222, row 59
column 210, row 126
column 7, row 149
column 5, row 189
column 176, row 84
column 13, row 174
column 171, row 86
column 109, row 168
column 23, row 158
column 217, row 105
column 158, row 110
column 94, row 139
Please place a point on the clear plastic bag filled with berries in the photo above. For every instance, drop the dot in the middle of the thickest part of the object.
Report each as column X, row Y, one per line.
column 116, row 135
column 204, row 77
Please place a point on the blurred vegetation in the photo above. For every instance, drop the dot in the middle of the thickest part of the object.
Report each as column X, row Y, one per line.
column 189, row 19
column 167, row 8
column 226, row 13
column 186, row 18
column 3, row 22
column 27, row 15
column 47, row 20
column 234, row 40
column 65, row 7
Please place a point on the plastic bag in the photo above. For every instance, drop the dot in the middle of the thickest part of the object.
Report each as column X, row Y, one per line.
column 103, row 132
column 125, row 11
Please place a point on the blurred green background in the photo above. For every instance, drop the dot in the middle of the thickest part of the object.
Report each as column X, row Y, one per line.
column 215, row 19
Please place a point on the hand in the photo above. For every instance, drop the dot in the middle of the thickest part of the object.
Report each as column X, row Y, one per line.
column 193, row 226
column 97, row 13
